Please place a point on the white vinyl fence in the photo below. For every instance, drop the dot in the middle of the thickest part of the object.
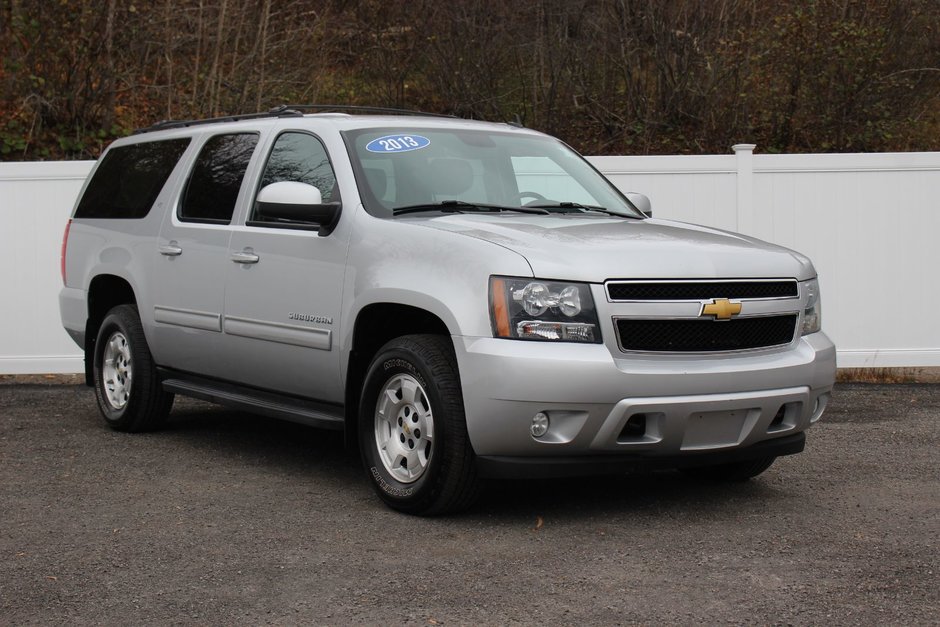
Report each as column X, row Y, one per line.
column 869, row 222
column 35, row 202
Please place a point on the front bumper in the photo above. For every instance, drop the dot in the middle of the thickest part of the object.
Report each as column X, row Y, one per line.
column 498, row 466
column 637, row 407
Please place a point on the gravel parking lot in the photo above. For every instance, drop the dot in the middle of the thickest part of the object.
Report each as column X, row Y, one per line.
column 226, row 518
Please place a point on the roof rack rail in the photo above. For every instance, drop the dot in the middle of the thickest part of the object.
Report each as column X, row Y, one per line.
column 282, row 111
column 363, row 109
column 276, row 112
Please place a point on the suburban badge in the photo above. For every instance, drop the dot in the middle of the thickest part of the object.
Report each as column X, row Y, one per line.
column 310, row 318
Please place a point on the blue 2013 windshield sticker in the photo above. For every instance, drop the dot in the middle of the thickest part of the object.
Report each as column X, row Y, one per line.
column 398, row 143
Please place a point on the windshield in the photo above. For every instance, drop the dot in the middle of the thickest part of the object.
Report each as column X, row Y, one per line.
column 402, row 169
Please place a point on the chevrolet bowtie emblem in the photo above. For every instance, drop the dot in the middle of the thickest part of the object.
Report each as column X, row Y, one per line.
column 721, row 308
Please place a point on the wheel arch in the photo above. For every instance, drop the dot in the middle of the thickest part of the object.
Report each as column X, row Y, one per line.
column 375, row 325
column 105, row 292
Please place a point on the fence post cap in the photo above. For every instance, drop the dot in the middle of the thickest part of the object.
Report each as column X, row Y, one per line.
column 744, row 147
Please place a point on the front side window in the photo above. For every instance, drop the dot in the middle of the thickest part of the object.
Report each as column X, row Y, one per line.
column 399, row 169
column 299, row 158
column 216, row 178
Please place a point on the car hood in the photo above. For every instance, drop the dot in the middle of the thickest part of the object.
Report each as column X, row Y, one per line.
column 597, row 248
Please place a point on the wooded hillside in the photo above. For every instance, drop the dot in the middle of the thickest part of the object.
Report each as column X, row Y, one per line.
column 608, row 76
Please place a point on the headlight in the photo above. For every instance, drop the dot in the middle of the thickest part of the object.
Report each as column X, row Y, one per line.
column 812, row 313
column 530, row 309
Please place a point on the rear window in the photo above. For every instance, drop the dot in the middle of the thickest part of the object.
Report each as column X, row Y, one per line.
column 129, row 179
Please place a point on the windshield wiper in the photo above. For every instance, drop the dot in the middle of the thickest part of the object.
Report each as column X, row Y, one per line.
column 584, row 209
column 458, row 206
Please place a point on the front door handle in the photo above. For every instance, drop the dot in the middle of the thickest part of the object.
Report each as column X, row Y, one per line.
column 246, row 256
column 171, row 250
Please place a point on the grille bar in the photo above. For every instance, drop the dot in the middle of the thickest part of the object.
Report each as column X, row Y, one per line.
column 700, row 290
column 699, row 335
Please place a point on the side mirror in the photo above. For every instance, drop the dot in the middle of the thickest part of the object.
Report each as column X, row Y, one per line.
column 293, row 203
column 641, row 202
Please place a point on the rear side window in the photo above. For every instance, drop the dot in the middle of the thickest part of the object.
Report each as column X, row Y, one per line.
column 129, row 179
column 216, row 178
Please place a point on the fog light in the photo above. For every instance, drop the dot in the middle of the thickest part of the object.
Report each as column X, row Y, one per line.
column 539, row 425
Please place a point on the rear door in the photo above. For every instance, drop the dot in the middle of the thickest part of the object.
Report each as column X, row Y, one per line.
column 283, row 286
column 192, row 254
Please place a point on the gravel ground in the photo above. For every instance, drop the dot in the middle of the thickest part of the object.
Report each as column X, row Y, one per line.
column 225, row 518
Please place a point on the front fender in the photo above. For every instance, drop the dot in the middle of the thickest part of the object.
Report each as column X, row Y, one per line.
column 446, row 274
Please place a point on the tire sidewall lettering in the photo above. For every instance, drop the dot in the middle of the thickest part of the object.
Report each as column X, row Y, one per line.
column 400, row 493
column 393, row 365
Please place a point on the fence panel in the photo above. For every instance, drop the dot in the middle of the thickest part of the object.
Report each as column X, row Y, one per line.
column 35, row 202
column 868, row 221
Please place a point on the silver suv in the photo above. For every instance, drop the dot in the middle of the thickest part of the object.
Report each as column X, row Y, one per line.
column 463, row 299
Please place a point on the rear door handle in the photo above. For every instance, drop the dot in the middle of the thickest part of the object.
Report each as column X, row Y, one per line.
column 171, row 250
column 246, row 256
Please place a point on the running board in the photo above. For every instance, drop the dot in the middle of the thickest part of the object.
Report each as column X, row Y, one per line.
column 321, row 415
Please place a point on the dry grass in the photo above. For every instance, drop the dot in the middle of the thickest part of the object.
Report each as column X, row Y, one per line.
column 845, row 375
column 888, row 375
column 43, row 379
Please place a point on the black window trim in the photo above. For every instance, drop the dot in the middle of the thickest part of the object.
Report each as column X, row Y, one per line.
column 299, row 226
column 192, row 166
column 163, row 188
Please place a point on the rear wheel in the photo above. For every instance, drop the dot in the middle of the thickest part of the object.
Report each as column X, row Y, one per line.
column 735, row 471
column 127, row 386
column 412, row 429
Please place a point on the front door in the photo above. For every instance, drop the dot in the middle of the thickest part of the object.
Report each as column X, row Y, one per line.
column 283, row 287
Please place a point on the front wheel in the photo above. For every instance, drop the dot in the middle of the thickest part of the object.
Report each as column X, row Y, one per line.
column 127, row 386
column 412, row 429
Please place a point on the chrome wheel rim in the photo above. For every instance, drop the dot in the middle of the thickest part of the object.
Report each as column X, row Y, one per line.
column 404, row 428
column 117, row 372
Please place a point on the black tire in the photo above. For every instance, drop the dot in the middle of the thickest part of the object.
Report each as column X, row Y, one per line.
column 135, row 403
column 448, row 482
column 736, row 471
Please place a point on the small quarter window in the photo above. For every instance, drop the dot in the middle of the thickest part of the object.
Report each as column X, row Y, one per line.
column 129, row 179
column 216, row 179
